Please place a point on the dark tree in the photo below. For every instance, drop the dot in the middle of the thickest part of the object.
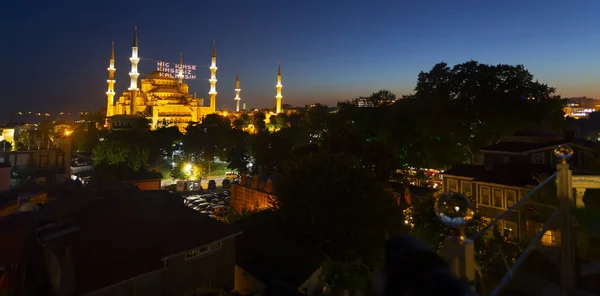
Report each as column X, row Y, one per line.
column 194, row 139
column 317, row 120
column 383, row 97
column 334, row 203
column 238, row 153
column 246, row 118
column 85, row 139
column 166, row 140
column 258, row 119
column 456, row 111
column 238, row 123
column 280, row 121
column 294, row 119
column 270, row 151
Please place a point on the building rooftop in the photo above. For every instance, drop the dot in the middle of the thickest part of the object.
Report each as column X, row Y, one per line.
column 519, row 175
column 521, row 147
column 125, row 233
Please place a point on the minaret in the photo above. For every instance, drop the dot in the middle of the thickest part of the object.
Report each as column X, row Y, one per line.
column 278, row 86
column 180, row 73
column 213, row 79
column 134, row 72
column 110, row 93
column 237, row 93
column 134, row 62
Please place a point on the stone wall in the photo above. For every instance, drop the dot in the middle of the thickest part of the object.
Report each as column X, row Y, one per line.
column 249, row 198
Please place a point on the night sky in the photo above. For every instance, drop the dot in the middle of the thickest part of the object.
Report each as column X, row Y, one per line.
column 55, row 53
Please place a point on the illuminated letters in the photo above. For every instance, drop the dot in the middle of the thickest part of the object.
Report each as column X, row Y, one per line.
column 172, row 69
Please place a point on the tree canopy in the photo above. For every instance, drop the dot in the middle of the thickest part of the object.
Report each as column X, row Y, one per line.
column 331, row 200
column 477, row 99
column 457, row 110
column 119, row 155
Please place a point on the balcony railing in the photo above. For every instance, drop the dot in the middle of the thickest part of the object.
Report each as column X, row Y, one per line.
column 550, row 203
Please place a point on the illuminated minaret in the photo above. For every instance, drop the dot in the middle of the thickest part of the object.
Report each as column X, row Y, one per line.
column 278, row 86
column 237, row 93
column 110, row 93
column 213, row 79
column 134, row 72
column 180, row 73
column 134, row 62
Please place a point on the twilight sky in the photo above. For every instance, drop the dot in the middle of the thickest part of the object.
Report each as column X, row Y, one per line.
column 55, row 53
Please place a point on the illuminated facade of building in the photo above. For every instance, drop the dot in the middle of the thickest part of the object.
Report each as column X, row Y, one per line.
column 581, row 107
column 160, row 98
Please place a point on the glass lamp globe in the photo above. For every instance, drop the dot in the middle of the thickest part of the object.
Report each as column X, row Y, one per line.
column 454, row 210
column 563, row 152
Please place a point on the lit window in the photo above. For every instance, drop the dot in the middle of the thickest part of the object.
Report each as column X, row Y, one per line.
column 551, row 238
column 484, row 196
column 497, row 200
column 511, row 197
column 466, row 188
column 452, row 185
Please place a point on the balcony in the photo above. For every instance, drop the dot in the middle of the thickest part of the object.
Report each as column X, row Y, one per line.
column 549, row 252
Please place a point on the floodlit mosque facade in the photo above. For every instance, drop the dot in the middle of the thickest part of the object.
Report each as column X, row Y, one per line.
column 162, row 99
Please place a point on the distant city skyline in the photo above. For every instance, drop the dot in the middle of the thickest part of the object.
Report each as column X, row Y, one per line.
column 57, row 54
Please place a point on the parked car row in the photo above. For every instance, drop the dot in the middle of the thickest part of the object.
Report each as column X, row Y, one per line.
column 215, row 205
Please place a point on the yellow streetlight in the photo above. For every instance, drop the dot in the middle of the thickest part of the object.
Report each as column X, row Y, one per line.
column 67, row 133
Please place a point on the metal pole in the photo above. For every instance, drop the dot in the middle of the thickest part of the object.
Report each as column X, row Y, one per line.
column 566, row 224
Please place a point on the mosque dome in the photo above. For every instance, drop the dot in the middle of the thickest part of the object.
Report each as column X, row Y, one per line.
column 159, row 75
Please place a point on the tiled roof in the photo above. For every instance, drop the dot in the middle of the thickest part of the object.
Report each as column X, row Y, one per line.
column 520, row 147
column 506, row 174
column 125, row 234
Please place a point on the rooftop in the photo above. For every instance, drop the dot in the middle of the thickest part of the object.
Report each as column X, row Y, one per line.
column 522, row 147
column 124, row 233
column 519, row 175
